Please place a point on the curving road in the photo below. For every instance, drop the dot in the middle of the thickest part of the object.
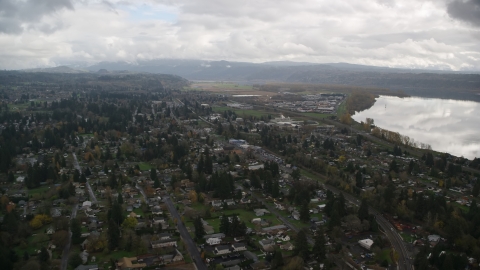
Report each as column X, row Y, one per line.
column 191, row 246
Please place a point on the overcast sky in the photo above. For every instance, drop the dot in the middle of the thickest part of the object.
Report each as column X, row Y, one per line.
column 440, row 34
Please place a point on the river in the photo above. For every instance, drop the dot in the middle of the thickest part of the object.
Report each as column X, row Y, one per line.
column 450, row 126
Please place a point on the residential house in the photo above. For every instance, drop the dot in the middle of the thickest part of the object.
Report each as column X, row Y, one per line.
column 267, row 244
column 287, row 246
column 261, row 212
column 236, row 247
column 164, row 236
column 284, row 237
column 130, row 263
column 163, row 243
column 217, row 203
column 222, row 249
column 213, row 241
column 87, row 267
column 229, row 202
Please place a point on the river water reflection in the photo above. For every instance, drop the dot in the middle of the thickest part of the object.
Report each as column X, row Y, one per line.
column 447, row 125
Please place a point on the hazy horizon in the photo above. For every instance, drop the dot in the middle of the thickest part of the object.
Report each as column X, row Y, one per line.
column 420, row 34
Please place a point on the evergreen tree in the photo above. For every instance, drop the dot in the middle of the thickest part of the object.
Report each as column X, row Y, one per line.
column 199, row 229
column 113, row 234
column 363, row 210
column 224, row 225
column 120, row 198
column 76, row 230
column 319, row 251
column 301, row 245
column 277, row 261
column 305, row 213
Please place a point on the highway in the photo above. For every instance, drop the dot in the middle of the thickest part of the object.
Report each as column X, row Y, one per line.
column 191, row 246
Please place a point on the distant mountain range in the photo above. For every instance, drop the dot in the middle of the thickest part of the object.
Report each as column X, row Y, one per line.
column 427, row 83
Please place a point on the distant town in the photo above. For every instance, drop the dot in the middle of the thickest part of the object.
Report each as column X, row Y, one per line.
column 130, row 175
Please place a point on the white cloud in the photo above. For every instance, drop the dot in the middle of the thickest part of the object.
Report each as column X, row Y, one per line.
column 407, row 33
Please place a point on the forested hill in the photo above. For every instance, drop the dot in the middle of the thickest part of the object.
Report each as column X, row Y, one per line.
column 425, row 83
column 101, row 81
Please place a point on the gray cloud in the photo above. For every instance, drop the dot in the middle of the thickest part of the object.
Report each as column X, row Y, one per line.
column 465, row 10
column 16, row 16
column 395, row 33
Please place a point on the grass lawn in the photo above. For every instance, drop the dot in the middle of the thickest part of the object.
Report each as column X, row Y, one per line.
column 39, row 190
column 90, row 135
column 317, row 115
column 242, row 113
column 138, row 211
column 144, row 166
column 463, row 207
column 342, row 109
column 384, row 255
column 309, row 174
column 407, row 237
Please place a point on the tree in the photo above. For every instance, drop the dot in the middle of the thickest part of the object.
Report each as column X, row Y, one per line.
column 318, row 251
column 224, row 224
column 130, row 223
column 295, row 263
column 44, row 256
column 60, row 238
column 363, row 210
column 277, row 261
column 153, row 174
column 120, row 198
column 301, row 245
column 476, row 189
column 76, row 230
column 199, row 229
column 74, row 260
column 305, row 212
column 113, row 235
column 296, row 174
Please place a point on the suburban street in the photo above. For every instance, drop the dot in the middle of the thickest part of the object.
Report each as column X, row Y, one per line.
column 191, row 246
column 66, row 250
column 90, row 191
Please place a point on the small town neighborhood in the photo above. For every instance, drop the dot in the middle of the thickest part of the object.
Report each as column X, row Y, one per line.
column 180, row 181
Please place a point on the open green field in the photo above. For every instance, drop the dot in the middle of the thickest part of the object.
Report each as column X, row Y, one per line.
column 212, row 86
column 243, row 113
column 318, row 116
column 39, row 190
column 384, row 255
column 342, row 108
column 144, row 166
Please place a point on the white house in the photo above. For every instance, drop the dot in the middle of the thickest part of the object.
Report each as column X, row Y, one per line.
column 261, row 212
column 223, row 249
column 86, row 204
column 213, row 241
column 21, row 179
column 239, row 247
column 366, row 243
column 284, row 238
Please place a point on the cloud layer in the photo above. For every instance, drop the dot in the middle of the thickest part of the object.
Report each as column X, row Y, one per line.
column 407, row 33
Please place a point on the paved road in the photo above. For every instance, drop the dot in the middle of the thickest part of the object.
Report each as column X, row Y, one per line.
column 142, row 192
column 90, row 191
column 191, row 246
column 66, row 250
